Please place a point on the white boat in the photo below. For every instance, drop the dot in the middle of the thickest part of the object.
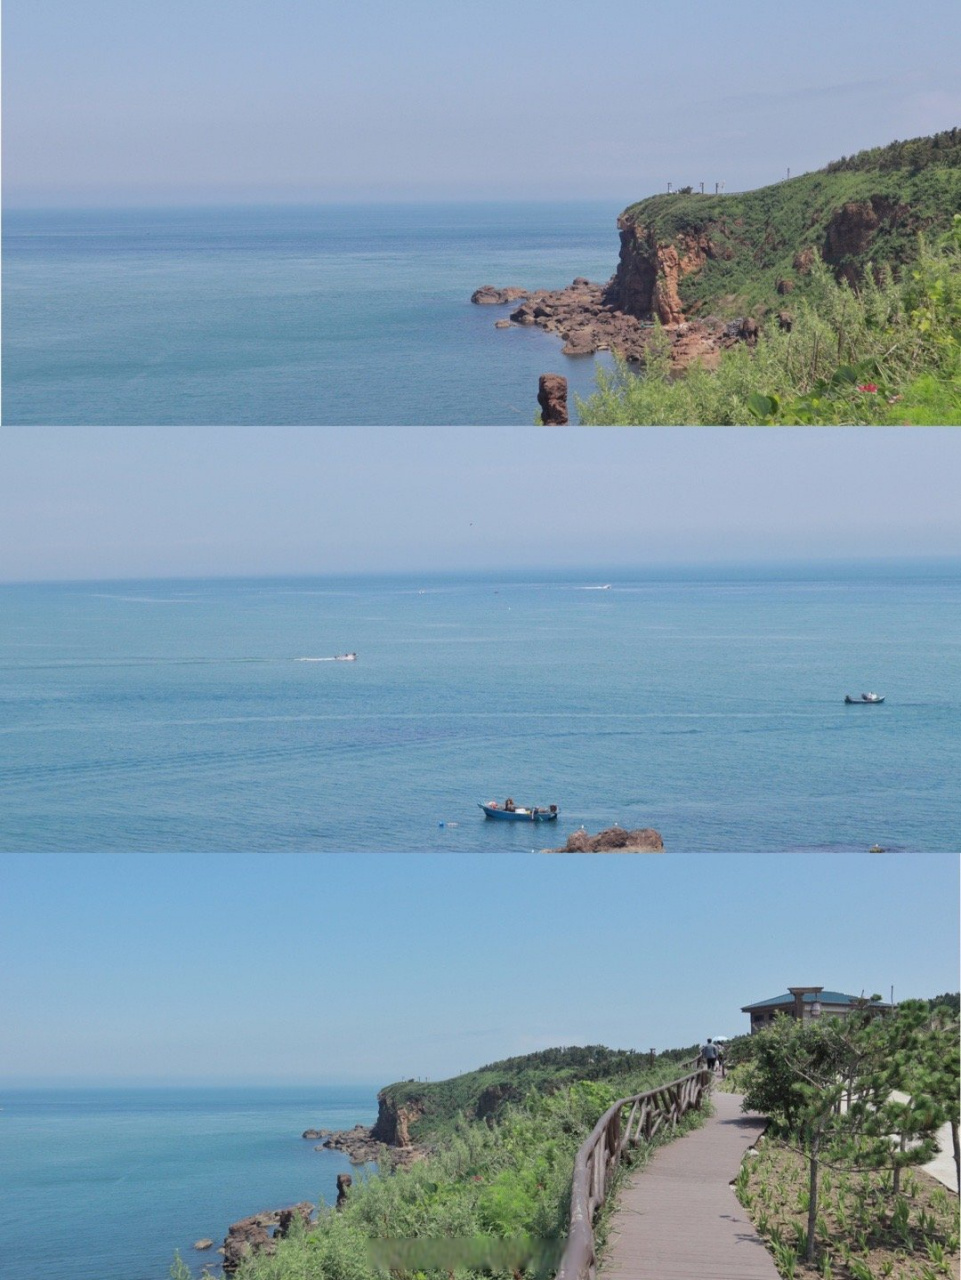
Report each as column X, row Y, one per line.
column 345, row 657
column 865, row 697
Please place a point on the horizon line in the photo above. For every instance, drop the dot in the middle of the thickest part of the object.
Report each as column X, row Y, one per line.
column 578, row 571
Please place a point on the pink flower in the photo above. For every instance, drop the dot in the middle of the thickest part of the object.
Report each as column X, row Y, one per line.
column 867, row 386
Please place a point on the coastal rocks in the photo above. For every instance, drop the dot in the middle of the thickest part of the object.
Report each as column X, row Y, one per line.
column 316, row 1133
column 615, row 840
column 590, row 317
column 359, row 1144
column 392, row 1129
column 581, row 317
column 344, row 1183
column 552, row 398
column 258, row 1233
column 649, row 272
column 489, row 296
column 392, row 1126
column 696, row 342
column 203, row 1244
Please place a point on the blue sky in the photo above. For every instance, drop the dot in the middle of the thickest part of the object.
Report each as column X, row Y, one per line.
column 205, row 100
column 108, row 502
column 334, row 968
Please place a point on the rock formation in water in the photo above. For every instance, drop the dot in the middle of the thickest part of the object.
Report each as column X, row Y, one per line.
column 259, row 1233
column 552, row 398
column 615, row 840
column 711, row 268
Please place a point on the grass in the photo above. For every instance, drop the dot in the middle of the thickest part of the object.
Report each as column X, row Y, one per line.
column 886, row 353
column 503, row 1180
column 864, row 1232
column 487, row 1091
column 756, row 236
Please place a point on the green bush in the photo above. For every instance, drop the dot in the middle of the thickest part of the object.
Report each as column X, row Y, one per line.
column 888, row 352
column 508, row 1179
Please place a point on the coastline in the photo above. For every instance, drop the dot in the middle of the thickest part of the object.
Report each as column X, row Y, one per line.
column 212, row 1155
column 586, row 316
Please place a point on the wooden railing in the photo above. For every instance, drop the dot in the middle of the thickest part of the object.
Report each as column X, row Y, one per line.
column 598, row 1158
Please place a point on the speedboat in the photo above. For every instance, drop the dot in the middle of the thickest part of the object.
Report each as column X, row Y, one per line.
column 345, row 657
column 868, row 699
column 516, row 813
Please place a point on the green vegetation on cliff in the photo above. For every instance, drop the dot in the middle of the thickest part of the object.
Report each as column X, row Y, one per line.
column 493, row 1179
column 434, row 1108
column 744, row 252
column 886, row 350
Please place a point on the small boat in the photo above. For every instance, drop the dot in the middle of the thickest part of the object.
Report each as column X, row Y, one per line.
column 865, row 699
column 345, row 657
column 516, row 813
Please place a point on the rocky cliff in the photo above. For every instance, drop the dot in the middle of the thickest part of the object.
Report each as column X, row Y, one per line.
column 685, row 255
column 394, row 1119
column 707, row 267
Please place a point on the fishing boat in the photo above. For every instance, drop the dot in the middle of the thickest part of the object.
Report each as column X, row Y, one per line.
column 865, row 699
column 345, row 657
column 517, row 813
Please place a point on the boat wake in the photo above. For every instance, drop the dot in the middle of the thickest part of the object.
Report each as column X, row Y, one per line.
column 337, row 657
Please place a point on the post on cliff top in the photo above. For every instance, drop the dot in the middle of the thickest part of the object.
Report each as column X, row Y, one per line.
column 552, row 398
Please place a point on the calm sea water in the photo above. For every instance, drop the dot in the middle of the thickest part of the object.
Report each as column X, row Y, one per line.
column 102, row 1184
column 331, row 315
column 181, row 715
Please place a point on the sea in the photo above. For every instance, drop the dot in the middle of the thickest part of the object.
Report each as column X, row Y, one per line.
column 707, row 703
column 327, row 315
column 109, row 1184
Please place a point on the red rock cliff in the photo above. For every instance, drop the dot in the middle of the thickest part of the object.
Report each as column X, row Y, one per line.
column 648, row 273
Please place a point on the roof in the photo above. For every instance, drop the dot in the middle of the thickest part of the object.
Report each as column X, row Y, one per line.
column 809, row 997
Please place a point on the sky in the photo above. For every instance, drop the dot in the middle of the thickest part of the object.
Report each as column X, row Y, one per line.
column 114, row 502
column 339, row 968
column 188, row 101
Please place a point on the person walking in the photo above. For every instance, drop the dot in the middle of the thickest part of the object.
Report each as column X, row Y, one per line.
column 709, row 1053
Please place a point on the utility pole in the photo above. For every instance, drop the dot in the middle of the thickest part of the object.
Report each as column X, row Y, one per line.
column 702, row 188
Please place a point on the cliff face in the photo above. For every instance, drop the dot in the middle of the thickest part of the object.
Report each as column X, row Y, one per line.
column 394, row 1120
column 649, row 270
column 687, row 255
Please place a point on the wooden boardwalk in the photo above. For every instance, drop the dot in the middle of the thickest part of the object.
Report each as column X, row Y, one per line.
column 678, row 1219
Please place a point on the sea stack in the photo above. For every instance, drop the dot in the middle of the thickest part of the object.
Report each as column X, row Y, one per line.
column 552, row 398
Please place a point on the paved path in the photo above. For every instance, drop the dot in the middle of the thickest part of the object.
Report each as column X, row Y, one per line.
column 942, row 1166
column 679, row 1218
